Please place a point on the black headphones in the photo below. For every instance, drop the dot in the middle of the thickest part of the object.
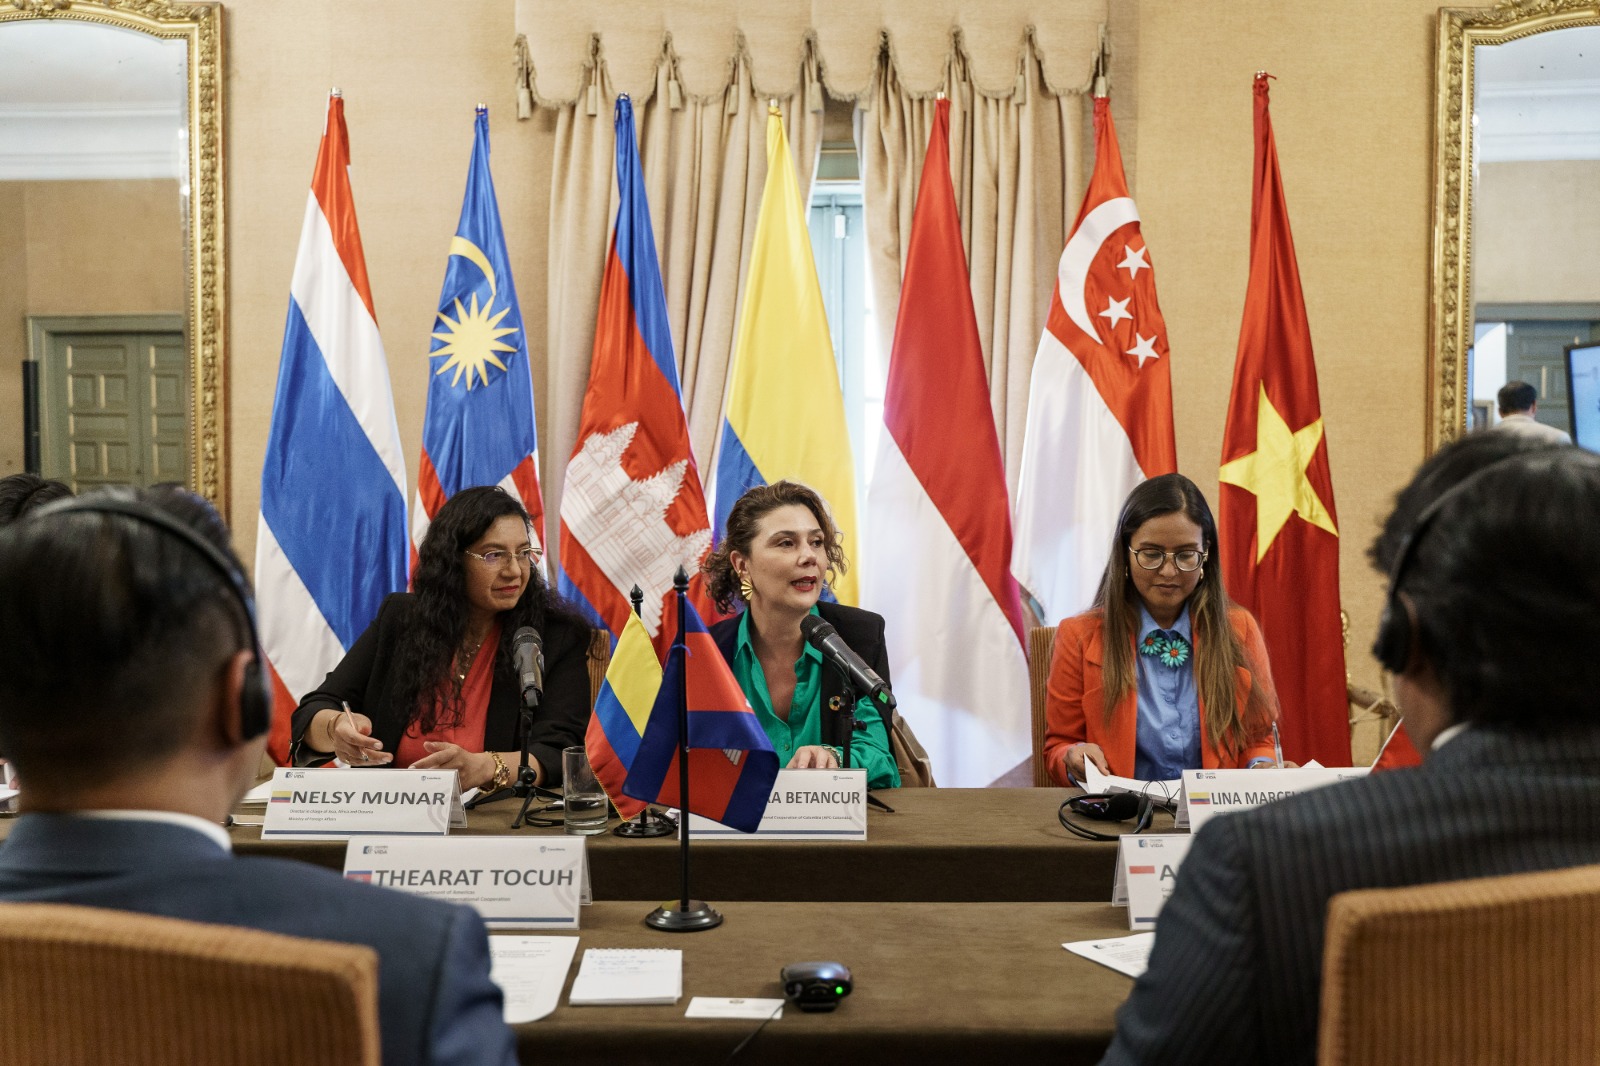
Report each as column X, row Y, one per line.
column 1392, row 647
column 255, row 698
column 1107, row 807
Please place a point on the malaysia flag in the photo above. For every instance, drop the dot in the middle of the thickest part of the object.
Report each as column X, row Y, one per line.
column 479, row 428
column 731, row 762
column 1100, row 401
column 939, row 523
column 632, row 510
column 331, row 539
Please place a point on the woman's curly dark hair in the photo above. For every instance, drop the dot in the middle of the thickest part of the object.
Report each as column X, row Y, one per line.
column 743, row 521
column 438, row 624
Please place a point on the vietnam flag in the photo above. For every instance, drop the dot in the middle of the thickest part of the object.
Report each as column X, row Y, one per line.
column 1278, row 530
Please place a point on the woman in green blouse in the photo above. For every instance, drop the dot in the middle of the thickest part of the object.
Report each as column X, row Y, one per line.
column 780, row 550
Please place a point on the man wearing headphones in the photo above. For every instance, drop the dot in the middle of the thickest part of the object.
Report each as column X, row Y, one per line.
column 133, row 705
column 1492, row 591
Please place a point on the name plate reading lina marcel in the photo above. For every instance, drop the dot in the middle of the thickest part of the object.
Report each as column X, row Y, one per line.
column 513, row 883
column 804, row 805
column 1207, row 793
column 320, row 804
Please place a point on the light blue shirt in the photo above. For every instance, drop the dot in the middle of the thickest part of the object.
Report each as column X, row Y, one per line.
column 1169, row 707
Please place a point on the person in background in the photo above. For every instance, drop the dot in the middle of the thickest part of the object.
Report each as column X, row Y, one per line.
column 1491, row 611
column 774, row 561
column 1519, row 402
column 132, row 702
column 22, row 493
column 431, row 683
column 1165, row 673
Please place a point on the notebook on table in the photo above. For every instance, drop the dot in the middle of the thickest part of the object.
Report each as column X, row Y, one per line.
column 614, row 976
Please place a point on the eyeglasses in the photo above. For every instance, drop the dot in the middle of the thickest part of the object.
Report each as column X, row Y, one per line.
column 1188, row 560
column 494, row 560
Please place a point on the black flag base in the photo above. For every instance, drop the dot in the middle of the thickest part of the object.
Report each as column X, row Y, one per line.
column 687, row 916
column 650, row 823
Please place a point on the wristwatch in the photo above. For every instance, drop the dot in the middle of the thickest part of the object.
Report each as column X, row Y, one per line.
column 502, row 773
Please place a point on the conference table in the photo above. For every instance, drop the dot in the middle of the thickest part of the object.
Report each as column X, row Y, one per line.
column 941, row 845
column 934, row 982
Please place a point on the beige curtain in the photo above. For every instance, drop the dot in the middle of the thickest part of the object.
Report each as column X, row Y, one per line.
column 704, row 160
column 1017, row 162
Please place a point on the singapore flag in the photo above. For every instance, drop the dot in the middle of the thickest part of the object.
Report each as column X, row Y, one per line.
column 1100, row 402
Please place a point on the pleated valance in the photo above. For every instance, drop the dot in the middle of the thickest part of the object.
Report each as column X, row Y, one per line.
column 561, row 41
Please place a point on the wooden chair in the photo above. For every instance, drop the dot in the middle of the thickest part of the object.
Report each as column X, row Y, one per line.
column 1041, row 643
column 599, row 661
column 1489, row 971
column 83, row 985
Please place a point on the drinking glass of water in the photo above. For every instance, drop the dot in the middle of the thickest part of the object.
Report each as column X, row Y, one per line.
column 586, row 802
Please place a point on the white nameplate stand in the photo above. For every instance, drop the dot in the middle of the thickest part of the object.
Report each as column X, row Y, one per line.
column 1147, row 868
column 1207, row 793
column 804, row 805
column 512, row 882
column 336, row 804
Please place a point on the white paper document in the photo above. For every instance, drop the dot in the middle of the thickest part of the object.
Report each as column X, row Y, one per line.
column 530, row 971
column 628, row 975
column 720, row 1007
column 257, row 797
column 1125, row 954
column 1165, row 793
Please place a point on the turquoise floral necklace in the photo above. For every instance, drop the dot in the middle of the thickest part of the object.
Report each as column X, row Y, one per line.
column 1170, row 651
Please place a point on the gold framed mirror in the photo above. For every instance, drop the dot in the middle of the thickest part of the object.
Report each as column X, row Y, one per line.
column 1516, row 157
column 111, row 206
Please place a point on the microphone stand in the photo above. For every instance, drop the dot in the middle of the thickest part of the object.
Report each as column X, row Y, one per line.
column 525, row 788
column 846, row 724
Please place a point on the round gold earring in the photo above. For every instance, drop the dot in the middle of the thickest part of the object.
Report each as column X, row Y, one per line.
column 746, row 589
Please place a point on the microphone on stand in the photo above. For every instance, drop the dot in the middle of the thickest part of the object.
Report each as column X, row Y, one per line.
column 863, row 678
column 527, row 652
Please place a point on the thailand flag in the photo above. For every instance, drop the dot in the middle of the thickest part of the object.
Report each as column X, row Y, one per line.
column 331, row 541
column 632, row 510
column 731, row 762
column 479, row 428
column 939, row 522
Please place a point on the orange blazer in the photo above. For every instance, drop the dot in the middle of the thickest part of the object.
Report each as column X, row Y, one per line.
column 1075, row 706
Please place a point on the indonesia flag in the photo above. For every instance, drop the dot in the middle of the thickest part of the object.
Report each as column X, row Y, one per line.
column 1100, row 403
column 632, row 510
column 331, row 541
column 939, row 527
column 479, row 428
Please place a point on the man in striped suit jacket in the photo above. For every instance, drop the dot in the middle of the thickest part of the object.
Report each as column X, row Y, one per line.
column 1493, row 553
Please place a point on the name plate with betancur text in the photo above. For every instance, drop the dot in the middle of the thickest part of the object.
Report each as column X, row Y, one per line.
column 804, row 805
column 324, row 804
column 512, row 882
column 1207, row 793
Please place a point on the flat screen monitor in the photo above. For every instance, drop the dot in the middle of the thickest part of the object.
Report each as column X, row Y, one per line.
column 1583, row 392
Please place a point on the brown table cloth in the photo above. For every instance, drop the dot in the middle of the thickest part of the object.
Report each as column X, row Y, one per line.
column 934, row 982
column 941, row 845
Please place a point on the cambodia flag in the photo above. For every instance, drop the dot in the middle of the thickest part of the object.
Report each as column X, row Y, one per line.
column 632, row 510
column 479, row 428
column 331, row 539
column 732, row 765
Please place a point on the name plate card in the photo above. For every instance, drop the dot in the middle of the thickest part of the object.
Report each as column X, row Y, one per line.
column 804, row 805
column 1207, row 793
column 324, row 804
column 512, row 882
column 1147, row 868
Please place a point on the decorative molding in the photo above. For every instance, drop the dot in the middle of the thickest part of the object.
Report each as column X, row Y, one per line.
column 199, row 25
column 1450, row 297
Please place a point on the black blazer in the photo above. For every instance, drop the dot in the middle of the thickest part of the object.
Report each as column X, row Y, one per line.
column 364, row 676
column 1236, row 972
column 862, row 630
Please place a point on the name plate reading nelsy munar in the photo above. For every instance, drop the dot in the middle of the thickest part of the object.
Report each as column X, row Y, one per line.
column 512, row 882
column 804, row 805
column 320, row 804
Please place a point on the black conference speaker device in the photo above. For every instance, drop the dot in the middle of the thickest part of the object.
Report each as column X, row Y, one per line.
column 816, row 986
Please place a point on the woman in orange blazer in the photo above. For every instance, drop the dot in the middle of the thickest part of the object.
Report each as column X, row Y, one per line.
column 1164, row 673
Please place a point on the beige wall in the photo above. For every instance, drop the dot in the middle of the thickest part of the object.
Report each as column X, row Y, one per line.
column 80, row 248
column 1536, row 232
column 1352, row 108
